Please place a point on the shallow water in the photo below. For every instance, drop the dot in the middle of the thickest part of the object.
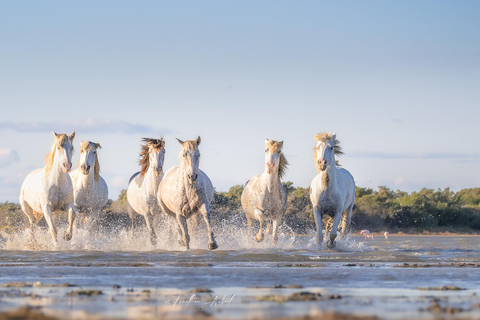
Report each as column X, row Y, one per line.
column 370, row 275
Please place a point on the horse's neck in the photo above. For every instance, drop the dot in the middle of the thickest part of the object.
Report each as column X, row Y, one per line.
column 88, row 179
column 151, row 181
column 328, row 176
column 269, row 181
column 56, row 175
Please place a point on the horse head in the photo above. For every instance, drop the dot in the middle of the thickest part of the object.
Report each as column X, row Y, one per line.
column 324, row 150
column 190, row 158
column 274, row 159
column 62, row 151
column 153, row 155
column 89, row 158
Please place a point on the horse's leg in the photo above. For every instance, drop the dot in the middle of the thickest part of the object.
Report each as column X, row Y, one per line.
column 275, row 230
column 72, row 212
column 192, row 223
column 205, row 211
column 149, row 221
column 333, row 234
column 259, row 215
column 347, row 217
column 47, row 213
column 182, row 224
column 31, row 217
column 249, row 225
column 269, row 224
column 318, row 223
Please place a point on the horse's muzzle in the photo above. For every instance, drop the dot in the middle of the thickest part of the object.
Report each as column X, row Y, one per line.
column 67, row 166
column 158, row 171
column 193, row 178
column 322, row 165
column 85, row 169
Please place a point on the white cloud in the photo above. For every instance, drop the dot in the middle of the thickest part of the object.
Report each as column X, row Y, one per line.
column 86, row 125
column 7, row 157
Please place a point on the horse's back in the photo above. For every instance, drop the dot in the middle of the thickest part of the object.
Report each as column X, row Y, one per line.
column 30, row 191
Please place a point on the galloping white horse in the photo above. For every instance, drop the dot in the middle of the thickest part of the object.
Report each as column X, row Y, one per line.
column 264, row 196
column 90, row 191
column 332, row 190
column 143, row 185
column 50, row 189
column 186, row 190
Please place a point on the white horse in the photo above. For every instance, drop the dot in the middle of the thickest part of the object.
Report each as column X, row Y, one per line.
column 332, row 191
column 143, row 185
column 264, row 196
column 186, row 190
column 90, row 191
column 49, row 189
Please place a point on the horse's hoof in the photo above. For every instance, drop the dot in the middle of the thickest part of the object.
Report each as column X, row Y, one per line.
column 259, row 238
column 153, row 241
column 67, row 236
column 331, row 244
column 212, row 245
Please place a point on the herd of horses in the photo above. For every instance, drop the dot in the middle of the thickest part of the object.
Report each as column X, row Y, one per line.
column 183, row 191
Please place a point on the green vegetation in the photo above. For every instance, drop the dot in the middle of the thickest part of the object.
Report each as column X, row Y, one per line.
column 427, row 210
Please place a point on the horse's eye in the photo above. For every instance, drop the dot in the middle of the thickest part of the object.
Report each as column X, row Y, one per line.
column 266, row 150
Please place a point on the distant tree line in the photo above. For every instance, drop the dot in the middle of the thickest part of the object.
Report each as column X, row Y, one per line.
column 427, row 210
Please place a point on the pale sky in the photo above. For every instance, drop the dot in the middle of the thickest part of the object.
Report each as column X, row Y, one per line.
column 398, row 81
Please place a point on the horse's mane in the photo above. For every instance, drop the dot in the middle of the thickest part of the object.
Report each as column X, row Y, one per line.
column 60, row 140
column 283, row 163
column 144, row 162
column 337, row 148
column 88, row 146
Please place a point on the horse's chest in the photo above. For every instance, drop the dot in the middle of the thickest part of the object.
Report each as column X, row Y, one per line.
column 327, row 203
column 56, row 197
column 191, row 202
column 270, row 199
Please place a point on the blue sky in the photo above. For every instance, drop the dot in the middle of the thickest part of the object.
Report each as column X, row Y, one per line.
column 398, row 81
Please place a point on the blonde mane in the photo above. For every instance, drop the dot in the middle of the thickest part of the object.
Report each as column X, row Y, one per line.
column 337, row 148
column 60, row 140
column 88, row 146
column 144, row 162
column 274, row 146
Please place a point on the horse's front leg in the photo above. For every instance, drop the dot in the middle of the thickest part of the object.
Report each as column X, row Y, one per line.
column 333, row 234
column 205, row 211
column 149, row 222
column 259, row 216
column 275, row 230
column 182, row 227
column 72, row 212
column 47, row 212
column 318, row 224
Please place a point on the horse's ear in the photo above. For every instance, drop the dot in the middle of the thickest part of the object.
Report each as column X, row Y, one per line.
column 266, row 141
column 54, row 134
column 198, row 140
column 71, row 136
column 179, row 141
column 281, row 144
column 334, row 136
column 98, row 146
